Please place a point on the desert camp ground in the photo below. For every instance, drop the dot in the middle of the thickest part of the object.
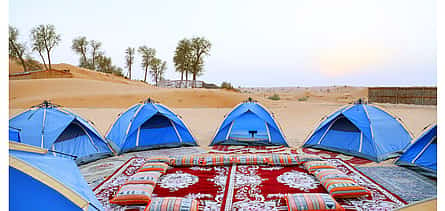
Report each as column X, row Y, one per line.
column 100, row 97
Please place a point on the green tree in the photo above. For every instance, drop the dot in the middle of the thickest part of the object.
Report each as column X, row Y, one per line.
column 45, row 36
column 157, row 69
column 104, row 64
column 80, row 46
column 39, row 47
column 16, row 49
column 129, row 58
column 147, row 55
column 182, row 58
column 200, row 48
column 117, row 70
column 95, row 46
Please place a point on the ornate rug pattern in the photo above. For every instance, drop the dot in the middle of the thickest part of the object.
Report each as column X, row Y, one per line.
column 245, row 187
column 96, row 172
column 327, row 154
column 409, row 185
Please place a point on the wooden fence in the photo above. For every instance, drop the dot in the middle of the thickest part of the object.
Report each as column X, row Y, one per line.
column 403, row 95
column 39, row 74
column 181, row 84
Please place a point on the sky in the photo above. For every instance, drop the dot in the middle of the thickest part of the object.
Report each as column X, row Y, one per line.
column 256, row 43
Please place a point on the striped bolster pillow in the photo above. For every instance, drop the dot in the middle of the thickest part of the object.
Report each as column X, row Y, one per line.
column 217, row 160
column 302, row 158
column 185, row 160
column 160, row 159
column 312, row 201
column 172, row 204
column 133, row 194
column 253, row 159
column 312, row 166
column 283, row 160
column 339, row 188
column 159, row 167
column 324, row 174
column 147, row 177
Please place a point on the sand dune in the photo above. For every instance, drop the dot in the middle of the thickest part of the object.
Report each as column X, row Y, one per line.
column 74, row 92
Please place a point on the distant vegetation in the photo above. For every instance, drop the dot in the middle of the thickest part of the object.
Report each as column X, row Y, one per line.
column 43, row 39
column 188, row 58
column 92, row 57
column 226, row 85
column 274, row 97
column 305, row 98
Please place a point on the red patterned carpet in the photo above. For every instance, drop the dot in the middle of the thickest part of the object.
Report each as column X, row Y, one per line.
column 245, row 187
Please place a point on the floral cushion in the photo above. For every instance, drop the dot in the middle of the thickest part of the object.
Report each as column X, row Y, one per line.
column 312, row 201
column 172, row 204
column 160, row 159
column 145, row 177
column 283, row 160
column 302, row 158
column 160, row 167
column 340, row 188
column 324, row 174
column 312, row 166
column 132, row 194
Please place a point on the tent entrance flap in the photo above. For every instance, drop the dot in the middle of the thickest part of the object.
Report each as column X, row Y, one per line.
column 343, row 133
column 249, row 127
column 158, row 130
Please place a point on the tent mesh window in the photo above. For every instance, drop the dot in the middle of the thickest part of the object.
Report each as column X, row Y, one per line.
column 71, row 132
column 343, row 124
column 157, row 121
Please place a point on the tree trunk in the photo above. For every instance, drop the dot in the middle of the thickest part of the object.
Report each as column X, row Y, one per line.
column 182, row 79
column 94, row 56
column 23, row 63
column 84, row 58
column 20, row 55
column 194, row 80
column 156, row 80
column 186, row 78
column 43, row 59
column 145, row 77
column 49, row 60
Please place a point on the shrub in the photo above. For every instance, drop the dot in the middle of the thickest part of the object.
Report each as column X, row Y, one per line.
column 274, row 97
column 303, row 98
column 226, row 85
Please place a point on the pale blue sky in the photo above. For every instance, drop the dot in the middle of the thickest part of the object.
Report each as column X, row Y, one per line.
column 257, row 43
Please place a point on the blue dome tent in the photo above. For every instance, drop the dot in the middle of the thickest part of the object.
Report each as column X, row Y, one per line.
column 361, row 130
column 39, row 180
column 249, row 123
column 422, row 154
column 62, row 132
column 149, row 125
column 14, row 134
